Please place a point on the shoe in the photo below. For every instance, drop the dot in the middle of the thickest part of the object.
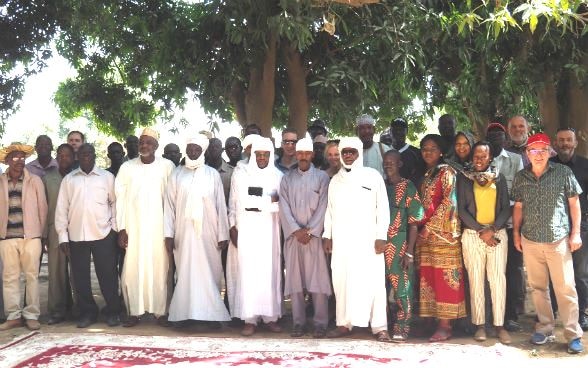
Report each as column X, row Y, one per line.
column 383, row 336
column 575, row 346
column 163, row 321
column 512, row 326
column 131, row 321
column 11, row 323
column 583, row 321
column 319, row 332
column 480, row 334
column 399, row 338
column 541, row 339
column 55, row 320
column 248, row 329
column 504, row 337
column 86, row 322
column 273, row 327
column 297, row 331
column 113, row 321
column 32, row 324
column 340, row 331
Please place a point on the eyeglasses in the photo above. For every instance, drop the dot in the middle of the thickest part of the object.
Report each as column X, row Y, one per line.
column 15, row 159
column 537, row 152
column 347, row 152
column 289, row 141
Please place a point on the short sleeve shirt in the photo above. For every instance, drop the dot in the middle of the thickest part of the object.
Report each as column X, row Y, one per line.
column 545, row 202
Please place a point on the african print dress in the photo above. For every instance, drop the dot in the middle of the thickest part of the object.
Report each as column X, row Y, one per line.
column 438, row 255
column 405, row 209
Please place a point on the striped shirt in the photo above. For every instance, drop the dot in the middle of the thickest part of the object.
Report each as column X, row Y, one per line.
column 14, row 228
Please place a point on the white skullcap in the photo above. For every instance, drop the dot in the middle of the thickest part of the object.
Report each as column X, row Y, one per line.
column 151, row 133
column 365, row 119
column 305, row 144
column 199, row 139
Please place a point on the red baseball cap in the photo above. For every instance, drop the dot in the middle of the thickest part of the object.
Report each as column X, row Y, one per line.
column 541, row 138
column 495, row 126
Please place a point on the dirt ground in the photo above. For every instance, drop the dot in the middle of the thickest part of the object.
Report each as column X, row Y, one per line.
column 149, row 327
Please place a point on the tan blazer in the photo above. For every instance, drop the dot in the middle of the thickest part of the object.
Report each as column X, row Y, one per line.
column 34, row 205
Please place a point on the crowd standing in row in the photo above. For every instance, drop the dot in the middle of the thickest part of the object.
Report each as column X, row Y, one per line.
column 340, row 216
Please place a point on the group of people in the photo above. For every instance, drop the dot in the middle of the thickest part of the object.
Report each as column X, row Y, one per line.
column 391, row 230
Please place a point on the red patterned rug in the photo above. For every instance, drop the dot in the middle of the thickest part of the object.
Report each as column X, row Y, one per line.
column 105, row 350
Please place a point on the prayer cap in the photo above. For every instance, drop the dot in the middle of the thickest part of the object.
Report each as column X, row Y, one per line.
column 199, row 139
column 305, row 144
column 540, row 138
column 365, row 119
column 151, row 133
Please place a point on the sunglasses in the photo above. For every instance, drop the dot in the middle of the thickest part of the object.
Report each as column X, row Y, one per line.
column 290, row 141
column 536, row 152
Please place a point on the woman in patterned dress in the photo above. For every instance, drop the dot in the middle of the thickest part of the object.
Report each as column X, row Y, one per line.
column 438, row 248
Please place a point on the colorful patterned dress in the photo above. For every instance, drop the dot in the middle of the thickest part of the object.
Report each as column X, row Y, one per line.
column 405, row 209
column 438, row 255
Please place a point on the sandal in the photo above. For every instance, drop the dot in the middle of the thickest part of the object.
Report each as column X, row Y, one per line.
column 383, row 336
column 339, row 332
column 442, row 334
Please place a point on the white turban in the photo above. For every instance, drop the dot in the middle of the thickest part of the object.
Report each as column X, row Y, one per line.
column 351, row 142
column 199, row 139
column 365, row 119
column 250, row 139
column 305, row 144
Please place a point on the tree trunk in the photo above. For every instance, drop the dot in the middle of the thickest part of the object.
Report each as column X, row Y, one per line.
column 238, row 100
column 564, row 103
column 298, row 103
column 259, row 100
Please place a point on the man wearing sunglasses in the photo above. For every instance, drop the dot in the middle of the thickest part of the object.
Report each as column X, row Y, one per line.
column 565, row 146
column 287, row 159
column 546, row 229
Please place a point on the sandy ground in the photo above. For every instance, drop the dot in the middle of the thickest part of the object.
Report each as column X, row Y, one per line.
column 149, row 327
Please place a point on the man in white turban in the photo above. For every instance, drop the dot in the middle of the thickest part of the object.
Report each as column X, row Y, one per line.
column 255, row 231
column 140, row 188
column 196, row 229
column 356, row 225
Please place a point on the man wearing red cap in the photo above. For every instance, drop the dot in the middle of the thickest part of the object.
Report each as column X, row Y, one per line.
column 546, row 229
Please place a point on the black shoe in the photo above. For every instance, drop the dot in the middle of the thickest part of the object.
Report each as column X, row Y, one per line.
column 512, row 326
column 86, row 321
column 55, row 320
column 583, row 322
column 297, row 331
column 113, row 321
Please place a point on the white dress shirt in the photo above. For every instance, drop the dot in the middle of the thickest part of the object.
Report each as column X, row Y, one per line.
column 85, row 206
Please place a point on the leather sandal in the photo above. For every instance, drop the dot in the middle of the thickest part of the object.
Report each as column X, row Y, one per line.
column 442, row 334
column 383, row 336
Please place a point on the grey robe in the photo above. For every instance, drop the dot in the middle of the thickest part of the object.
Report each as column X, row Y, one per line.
column 303, row 202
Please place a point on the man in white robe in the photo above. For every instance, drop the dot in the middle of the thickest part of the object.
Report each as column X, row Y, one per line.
column 356, row 223
column 197, row 229
column 303, row 202
column 233, row 283
column 140, row 188
column 373, row 152
column 255, row 231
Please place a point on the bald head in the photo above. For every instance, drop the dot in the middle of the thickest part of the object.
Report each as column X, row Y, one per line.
column 518, row 129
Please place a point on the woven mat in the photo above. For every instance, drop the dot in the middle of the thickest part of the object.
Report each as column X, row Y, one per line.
column 109, row 350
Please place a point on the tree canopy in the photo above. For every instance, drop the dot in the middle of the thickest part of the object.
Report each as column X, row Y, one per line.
column 289, row 61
